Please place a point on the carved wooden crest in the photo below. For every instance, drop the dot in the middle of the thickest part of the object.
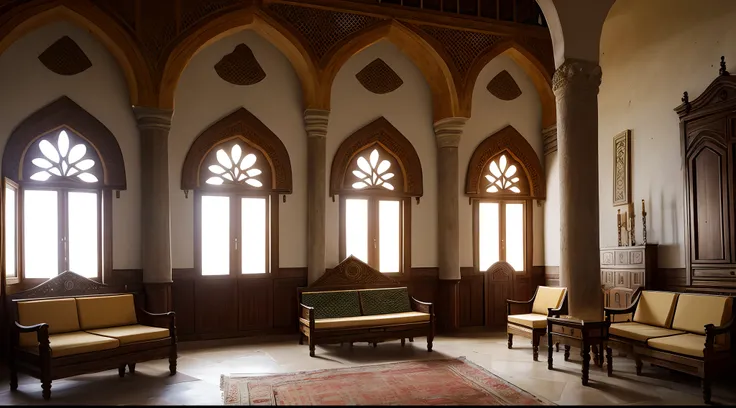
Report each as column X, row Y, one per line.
column 353, row 272
column 501, row 271
column 66, row 284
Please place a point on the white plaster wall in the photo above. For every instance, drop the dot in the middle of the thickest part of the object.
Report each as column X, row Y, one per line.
column 489, row 115
column 409, row 109
column 652, row 51
column 552, row 211
column 202, row 98
column 26, row 85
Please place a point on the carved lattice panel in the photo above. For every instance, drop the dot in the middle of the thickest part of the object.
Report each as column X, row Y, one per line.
column 193, row 11
column 379, row 78
column 158, row 27
column 124, row 11
column 322, row 28
column 541, row 48
column 64, row 57
column 462, row 46
column 240, row 67
column 503, row 87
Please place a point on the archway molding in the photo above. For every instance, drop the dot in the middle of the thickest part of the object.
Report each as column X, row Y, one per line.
column 533, row 68
column 250, row 18
column 445, row 101
column 85, row 15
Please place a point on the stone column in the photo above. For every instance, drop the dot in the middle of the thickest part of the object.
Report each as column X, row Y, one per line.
column 315, row 123
column 448, row 132
column 576, row 84
column 154, row 125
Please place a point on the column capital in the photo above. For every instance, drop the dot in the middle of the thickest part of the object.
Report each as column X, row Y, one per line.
column 153, row 118
column 316, row 121
column 448, row 131
column 576, row 72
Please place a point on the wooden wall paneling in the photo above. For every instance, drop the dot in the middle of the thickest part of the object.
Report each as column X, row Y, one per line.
column 447, row 303
column 285, row 301
column 255, row 300
column 552, row 275
column 499, row 286
column 424, row 284
column 184, row 304
column 471, row 299
column 216, row 309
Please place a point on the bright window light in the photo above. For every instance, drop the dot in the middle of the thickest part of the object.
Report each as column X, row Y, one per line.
column 356, row 228
column 488, row 235
column 215, row 235
column 253, row 247
column 41, row 233
column 83, row 234
column 389, row 236
column 515, row 236
column 10, row 232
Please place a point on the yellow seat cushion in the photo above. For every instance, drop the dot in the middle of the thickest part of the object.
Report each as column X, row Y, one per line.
column 132, row 334
column 532, row 320
column 369, row 321
column 688, row 344
column 656, row 308
column 59, row 314
column 106, row 311
column 547, row 297
column 640, row 332
column 67, row 344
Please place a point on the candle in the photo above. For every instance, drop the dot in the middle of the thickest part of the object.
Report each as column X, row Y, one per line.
column 642, row 207
column 631, row 210
column 618, row 217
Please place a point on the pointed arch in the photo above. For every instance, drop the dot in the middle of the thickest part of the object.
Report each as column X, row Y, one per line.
column 425, row 57
column 245, row 19
column 533, row 68
column 118, row 42
column 507, row 140
column 65, row 114
column 244, row 126
column 382, row 133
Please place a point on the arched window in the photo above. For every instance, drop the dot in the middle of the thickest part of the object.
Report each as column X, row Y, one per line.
column 504, row 177
column 59, row 168
column 237, row 169
column 375, row 172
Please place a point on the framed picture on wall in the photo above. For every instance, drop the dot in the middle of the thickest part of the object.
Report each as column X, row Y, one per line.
column 622, row 168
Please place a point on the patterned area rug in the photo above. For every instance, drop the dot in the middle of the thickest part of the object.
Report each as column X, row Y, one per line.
column 429, row 382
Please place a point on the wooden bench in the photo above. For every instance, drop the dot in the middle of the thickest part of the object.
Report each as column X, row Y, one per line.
column 71, row 325
column 354, row 302
column 690, row 333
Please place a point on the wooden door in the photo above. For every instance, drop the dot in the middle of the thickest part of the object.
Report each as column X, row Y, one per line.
column 710, row 212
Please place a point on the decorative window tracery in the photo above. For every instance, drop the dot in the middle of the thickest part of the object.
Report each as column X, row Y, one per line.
column 372, row 173
column 502, row 176
column 61, row 161
column 235, row 168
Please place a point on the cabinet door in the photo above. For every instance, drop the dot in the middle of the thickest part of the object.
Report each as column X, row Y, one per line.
column 709, row 208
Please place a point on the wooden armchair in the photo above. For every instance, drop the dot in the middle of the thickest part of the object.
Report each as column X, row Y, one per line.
column 547, row 301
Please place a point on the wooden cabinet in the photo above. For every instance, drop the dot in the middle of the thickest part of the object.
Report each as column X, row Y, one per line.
column 624, row 269
column 708, row 144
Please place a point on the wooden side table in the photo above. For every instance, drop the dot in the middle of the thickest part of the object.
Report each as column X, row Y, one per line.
column 575, row 332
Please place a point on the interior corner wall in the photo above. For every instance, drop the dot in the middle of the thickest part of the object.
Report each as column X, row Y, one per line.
column 27, row 85
column 409, row 109
column 552, row 211
column 202, row 98
column 652, row 51
column 489, row 115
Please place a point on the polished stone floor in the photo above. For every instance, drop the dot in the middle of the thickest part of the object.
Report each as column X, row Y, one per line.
column 202, row 363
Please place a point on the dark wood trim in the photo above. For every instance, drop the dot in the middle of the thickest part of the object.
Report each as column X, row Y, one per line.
column 382, row 133
column 243, row 125
column 507, row 141
column 64, row 113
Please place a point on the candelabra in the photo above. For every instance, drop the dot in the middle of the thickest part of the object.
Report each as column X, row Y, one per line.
column 618, row 225
column 644, row 223
column 632, row 231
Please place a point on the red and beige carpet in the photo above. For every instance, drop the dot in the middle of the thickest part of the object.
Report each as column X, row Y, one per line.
column 429, row 382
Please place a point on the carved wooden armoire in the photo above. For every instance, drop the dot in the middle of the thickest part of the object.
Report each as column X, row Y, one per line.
column 708, row 142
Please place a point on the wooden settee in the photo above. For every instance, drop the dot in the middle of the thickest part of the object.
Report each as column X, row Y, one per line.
column 71, row 325
column 354, row 302
column 690, row 333
column 547, row 301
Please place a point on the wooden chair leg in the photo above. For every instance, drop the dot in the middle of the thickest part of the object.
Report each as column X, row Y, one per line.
column 311, row 347
column 430, row 339
column 172, row 359
column 46, row 389
column 557, row 347
column 705, row 385
column 609, row 361
column 510, row 341
column 375, row 344
column 301, row 339
column 535, row 347
column 411, row 339
column 131, row 368
column 403, row 342
column 13, row 379
column 567, row 352
column 639, row 364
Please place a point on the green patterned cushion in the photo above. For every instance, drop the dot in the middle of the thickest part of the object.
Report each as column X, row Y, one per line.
column 383, row 301
column 333, row 304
